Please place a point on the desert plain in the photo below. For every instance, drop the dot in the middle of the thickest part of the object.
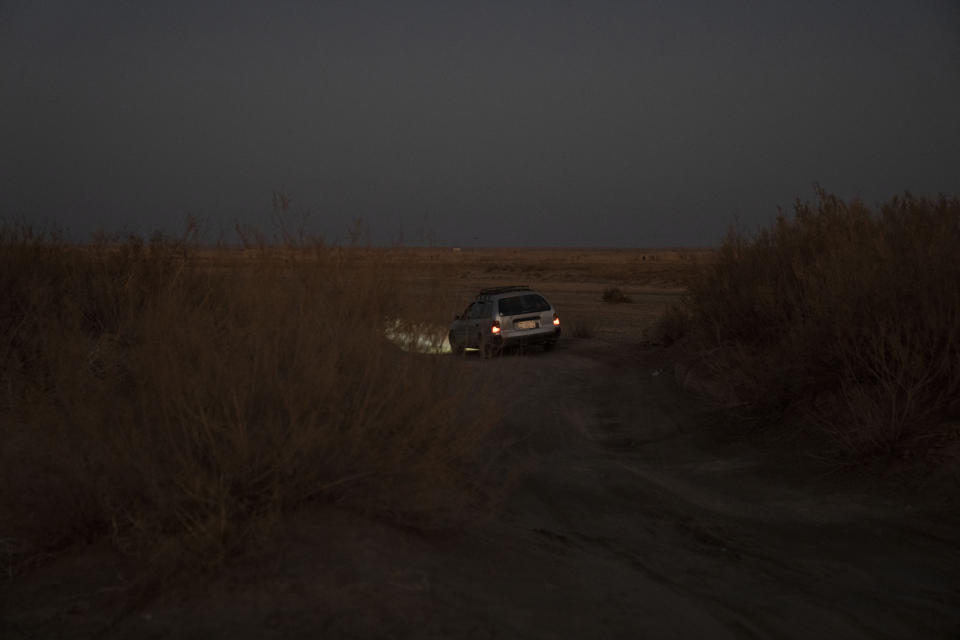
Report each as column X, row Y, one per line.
column 645, row 508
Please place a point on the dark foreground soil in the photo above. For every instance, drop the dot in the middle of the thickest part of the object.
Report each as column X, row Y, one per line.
column 646, row 514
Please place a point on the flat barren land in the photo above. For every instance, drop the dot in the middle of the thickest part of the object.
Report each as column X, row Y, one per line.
column 641, row 509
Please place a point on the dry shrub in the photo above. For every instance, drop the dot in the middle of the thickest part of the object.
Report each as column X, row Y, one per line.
column 846, row 314
column 614, row 295
column 181, row 408
column 672, row 325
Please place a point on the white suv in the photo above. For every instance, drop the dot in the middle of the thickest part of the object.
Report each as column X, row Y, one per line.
column 503, row 317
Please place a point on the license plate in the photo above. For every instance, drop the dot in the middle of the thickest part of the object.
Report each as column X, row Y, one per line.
column 526, row 324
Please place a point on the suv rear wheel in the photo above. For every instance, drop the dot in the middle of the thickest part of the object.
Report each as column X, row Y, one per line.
column 455, row 347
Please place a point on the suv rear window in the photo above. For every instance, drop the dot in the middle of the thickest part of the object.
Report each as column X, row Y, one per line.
column 530, row 303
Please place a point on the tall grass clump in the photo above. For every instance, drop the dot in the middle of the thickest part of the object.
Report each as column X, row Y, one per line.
column 179, row 409
column 845, row 314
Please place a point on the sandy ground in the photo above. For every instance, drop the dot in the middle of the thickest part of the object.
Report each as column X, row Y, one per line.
column 647, row 513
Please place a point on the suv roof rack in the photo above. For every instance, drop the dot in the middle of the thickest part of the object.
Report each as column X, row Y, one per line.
column 495, row 290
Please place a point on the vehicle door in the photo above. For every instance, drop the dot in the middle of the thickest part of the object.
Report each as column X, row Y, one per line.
column 475, row 320
column 460, row 328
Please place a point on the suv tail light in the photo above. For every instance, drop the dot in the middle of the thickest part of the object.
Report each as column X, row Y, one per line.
column 495, row 327
column 556, row 320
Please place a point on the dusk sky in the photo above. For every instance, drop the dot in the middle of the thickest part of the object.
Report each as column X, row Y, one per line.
column 609, row 124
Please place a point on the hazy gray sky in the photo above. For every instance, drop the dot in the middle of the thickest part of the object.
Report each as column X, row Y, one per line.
column 472, row 123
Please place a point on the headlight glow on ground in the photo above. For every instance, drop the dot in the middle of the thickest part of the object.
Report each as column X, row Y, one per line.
column 417, row 338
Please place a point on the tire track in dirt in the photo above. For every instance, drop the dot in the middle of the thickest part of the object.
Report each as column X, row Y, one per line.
column 644, row 514
column 695, row 525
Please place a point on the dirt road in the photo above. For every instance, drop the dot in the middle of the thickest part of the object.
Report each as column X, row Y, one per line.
column 646, row 515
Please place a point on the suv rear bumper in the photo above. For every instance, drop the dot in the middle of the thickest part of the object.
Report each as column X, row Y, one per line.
column 519, row 338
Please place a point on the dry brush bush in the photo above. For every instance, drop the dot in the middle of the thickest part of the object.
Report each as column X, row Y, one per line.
column 846, row 314
column 180, row 410
column 615, row 295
